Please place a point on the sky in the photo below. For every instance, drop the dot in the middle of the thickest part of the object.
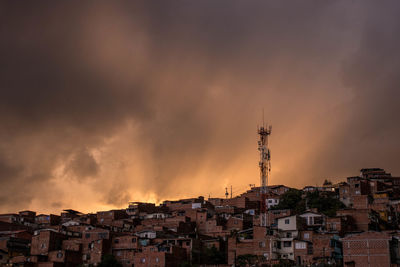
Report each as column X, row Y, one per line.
column 106, row 102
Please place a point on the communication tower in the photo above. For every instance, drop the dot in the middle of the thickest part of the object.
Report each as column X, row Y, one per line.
column 265, row 169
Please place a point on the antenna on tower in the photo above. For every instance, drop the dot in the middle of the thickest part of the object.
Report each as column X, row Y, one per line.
column 226, row 192
column 265, row 168
column 263, row 117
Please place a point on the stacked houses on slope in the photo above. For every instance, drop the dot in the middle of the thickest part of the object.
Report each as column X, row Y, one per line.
column 362, row 231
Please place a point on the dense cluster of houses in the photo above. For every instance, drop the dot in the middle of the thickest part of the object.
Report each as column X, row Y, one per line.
column 218, row 231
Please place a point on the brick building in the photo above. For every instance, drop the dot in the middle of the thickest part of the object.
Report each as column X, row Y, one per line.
column 45, row 241
column 366, row 249
column 160, row 256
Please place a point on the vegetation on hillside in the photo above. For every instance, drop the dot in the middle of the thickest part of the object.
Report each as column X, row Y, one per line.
column 324, row 202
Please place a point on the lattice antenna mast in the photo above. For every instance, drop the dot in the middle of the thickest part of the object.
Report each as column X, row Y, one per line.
column 265, row 168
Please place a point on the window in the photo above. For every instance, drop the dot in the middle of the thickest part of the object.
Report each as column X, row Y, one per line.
column 157, row 260
column 116, row 241
column 261, row 244
column 287, row 221
column 288, row 234
column 133, row 240
column 357, row 185
column 306, row 235
column 287, row 244
column 143, row 260
column 235, row 222
column 43, row 245
column 103, row 235
column 310, row 250
column 301, row 245
column 59, row 255
column 187, row 243
column 119, row 253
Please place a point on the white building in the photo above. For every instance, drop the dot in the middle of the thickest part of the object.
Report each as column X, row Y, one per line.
column 287, row 230
column 313, row 219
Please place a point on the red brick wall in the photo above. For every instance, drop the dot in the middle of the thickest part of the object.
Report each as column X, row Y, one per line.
column 125, row 242
column 125, row 256
column 360, row 201
column 367, row 249
column 234, row 223
column 360, row 217
column 46, row 241
column 73, row 245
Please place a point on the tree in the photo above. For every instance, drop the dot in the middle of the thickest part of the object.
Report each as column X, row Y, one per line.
column 109, row 261
column 325, row 203
column 292, row 199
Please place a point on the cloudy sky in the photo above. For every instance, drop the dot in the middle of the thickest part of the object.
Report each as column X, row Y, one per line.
column 105, row 102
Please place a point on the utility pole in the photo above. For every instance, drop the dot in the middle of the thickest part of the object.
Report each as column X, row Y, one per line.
column 265, row 168
column 231, row 191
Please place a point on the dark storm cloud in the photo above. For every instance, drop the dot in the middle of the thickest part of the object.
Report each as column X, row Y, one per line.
column 52, row 101
column 82, row 165
column 87, row 89
column 369, row 122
